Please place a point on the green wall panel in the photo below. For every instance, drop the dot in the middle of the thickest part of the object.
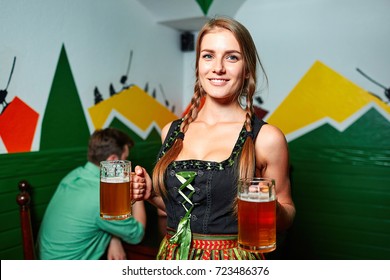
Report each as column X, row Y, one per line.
column 341, row 187
column 43, row 170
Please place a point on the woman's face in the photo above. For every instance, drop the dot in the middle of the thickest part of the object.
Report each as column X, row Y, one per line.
column 220, row 65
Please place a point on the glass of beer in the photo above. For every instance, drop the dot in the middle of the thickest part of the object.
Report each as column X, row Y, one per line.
column 257, row 215
column 115, row 190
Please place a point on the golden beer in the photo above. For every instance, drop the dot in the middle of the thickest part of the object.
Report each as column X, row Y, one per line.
column 115, row 190
column 115, row 199
column 257, row 215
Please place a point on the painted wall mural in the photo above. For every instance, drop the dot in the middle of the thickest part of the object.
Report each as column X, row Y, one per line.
column 204, row 5
column 340, row 160
column 4, row 92
column 135, row 108
column 324, row 97
column 18, row 121
column 64, row 124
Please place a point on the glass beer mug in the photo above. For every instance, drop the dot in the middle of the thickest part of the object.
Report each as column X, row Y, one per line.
column 257, row 214
column 115, row 189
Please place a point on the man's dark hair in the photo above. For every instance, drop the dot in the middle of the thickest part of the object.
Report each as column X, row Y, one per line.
column 105, row 142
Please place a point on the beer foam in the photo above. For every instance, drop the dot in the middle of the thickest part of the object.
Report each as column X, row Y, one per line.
column 115, row 180
column 258, row 197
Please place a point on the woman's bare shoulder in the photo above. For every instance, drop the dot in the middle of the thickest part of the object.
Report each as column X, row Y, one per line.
column 271, row 137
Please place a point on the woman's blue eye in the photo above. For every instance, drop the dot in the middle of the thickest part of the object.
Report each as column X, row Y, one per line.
column 207, row 56
column 232, row 57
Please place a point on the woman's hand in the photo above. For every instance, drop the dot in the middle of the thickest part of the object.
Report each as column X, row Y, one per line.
column 143, row 188
column 141, row 184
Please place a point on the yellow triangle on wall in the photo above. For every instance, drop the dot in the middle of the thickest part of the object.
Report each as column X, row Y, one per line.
column 136, row 106
column 321, row 93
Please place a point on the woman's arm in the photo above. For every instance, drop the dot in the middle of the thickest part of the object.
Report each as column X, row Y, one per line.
column 272, row 161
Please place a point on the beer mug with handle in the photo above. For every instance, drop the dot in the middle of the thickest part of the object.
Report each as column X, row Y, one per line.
column 115, row 189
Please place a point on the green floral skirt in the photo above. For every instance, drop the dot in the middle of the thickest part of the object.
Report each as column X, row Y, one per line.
column 207, row 247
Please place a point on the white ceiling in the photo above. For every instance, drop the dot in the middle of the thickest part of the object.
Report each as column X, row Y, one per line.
column 186, row 15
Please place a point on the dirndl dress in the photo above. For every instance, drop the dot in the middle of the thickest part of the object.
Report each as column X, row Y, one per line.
column 201, row 221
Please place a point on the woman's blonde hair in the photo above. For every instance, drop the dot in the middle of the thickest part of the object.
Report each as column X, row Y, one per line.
column 249, row 82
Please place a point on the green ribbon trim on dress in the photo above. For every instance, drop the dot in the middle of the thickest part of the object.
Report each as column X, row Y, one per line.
column 183, row 234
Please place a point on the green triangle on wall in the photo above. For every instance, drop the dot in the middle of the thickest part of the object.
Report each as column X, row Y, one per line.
column 64, row 124
column 205, row 5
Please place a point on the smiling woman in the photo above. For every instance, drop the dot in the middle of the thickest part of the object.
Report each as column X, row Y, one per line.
column 205, row 152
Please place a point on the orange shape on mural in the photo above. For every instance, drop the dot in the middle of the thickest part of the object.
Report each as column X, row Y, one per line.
column 18, row 123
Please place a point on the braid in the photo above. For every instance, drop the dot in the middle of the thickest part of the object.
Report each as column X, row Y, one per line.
column 247, row 163
column 162, row 164
column 172, row 153
column 194, row 109
column 248, row 117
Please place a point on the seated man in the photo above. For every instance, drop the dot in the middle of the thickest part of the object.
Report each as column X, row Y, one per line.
column 71, row 227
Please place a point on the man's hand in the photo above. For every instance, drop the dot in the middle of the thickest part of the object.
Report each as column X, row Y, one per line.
column 115, row 250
